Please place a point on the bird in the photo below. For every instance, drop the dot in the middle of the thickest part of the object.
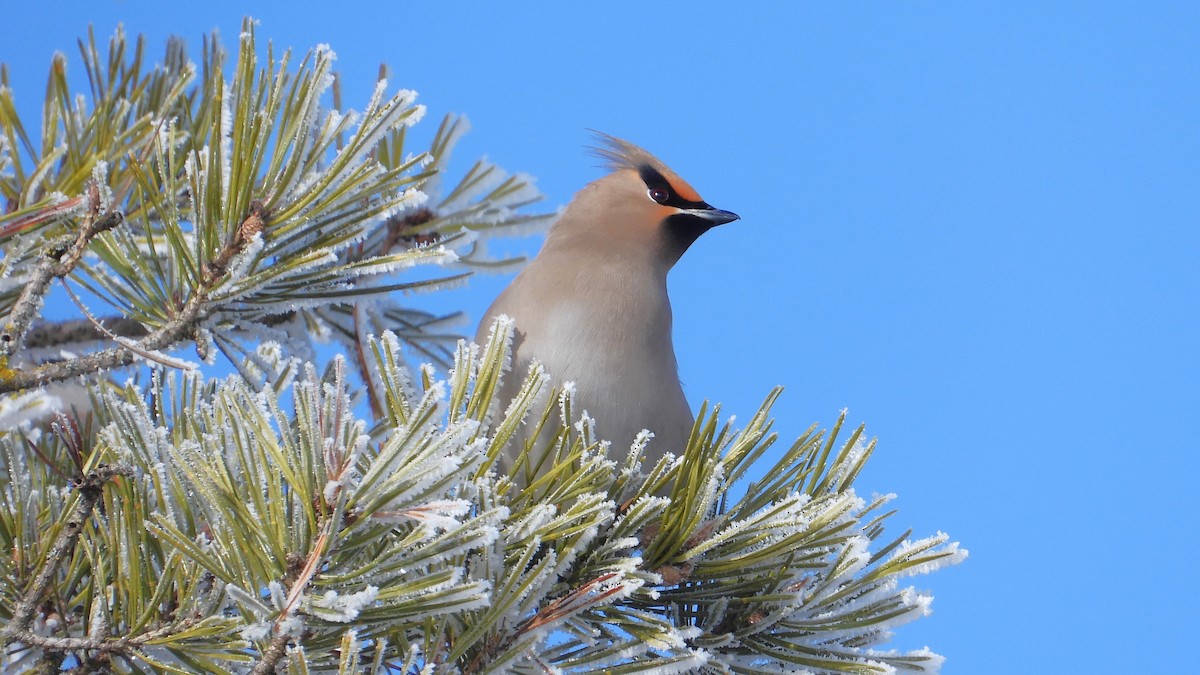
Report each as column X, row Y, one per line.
column 592, row 305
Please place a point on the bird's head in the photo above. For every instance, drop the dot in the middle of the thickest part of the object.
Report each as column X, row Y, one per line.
column 641, row 205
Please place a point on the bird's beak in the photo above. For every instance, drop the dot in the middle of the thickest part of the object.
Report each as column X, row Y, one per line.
column 713, row 216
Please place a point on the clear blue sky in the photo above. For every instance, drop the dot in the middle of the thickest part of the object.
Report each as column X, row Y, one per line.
column 976, row 227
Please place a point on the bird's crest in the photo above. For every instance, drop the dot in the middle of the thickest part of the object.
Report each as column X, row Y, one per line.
column 620, row 154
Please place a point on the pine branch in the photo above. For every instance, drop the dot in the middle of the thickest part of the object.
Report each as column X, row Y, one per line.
column 249, row 192
column 277, row 647
column 52, row 334
column 89, row 488
column 58, row 260
column 272, row 655
column 407, row 537
column 121, row 645
column 181, row 328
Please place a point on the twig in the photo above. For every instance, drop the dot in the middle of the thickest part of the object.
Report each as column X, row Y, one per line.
column 43, row 215
column 180, row 328
column 557, row 609
column 72, row 332
column 364, row 370
column 122, row 644
column 272, row 655
column 277, row 648
column 27, row 378
column 48, row 334
column 59, row 258
column 124, row 342
column 90, row 488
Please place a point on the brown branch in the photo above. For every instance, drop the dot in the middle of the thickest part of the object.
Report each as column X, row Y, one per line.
column 272, row 655
column 364, row 369
column 174, row 331
column 124, row 645
column 277, row 648
column 49, row 334
column 43, row 215
column 90, row 488
column 131, row 345
column 405, row 230
column 58, row 260
column 52, row 334
column 28, row 378
column 555, row 610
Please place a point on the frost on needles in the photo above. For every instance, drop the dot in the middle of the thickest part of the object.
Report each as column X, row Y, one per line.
column 188, row 484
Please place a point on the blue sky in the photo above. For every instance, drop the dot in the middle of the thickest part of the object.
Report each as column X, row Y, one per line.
column 974, row 225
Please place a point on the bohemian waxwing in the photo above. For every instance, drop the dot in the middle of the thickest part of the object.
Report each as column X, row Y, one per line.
column 592, row 307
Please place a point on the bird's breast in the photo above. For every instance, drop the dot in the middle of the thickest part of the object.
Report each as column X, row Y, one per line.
column 615, row 344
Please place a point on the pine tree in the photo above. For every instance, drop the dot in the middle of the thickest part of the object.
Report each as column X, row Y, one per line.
column 315, row 513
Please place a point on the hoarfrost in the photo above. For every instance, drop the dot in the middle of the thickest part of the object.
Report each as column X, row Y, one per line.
column 34, row 182
column 27, row 408
column 256, row 632
column 438, row 515
column 278, row 595
column 240, row 266
column 226, row 140
column 292, row 625
column 537, row 516
column 168, row 130
column 949, row 554
column 100, row 179
column 694, row 663
column 639, row 442
column 857, row 554
column 566, row 396
column 331, row 490
column 261, row 628
column 344, row 608
column 486, row 177
column 586, row 426
column 410, row 199
column 324, row 51
column 528, row 191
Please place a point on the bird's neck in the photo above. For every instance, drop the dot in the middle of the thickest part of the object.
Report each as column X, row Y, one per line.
column 633, row 283
column 639, row 258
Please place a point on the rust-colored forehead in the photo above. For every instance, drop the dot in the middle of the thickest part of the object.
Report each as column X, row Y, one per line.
column 621, row 154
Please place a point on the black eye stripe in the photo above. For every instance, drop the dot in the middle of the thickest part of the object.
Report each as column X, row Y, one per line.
column 656, row 181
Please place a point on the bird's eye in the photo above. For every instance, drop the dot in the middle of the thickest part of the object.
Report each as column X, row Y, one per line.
column 659, row 194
